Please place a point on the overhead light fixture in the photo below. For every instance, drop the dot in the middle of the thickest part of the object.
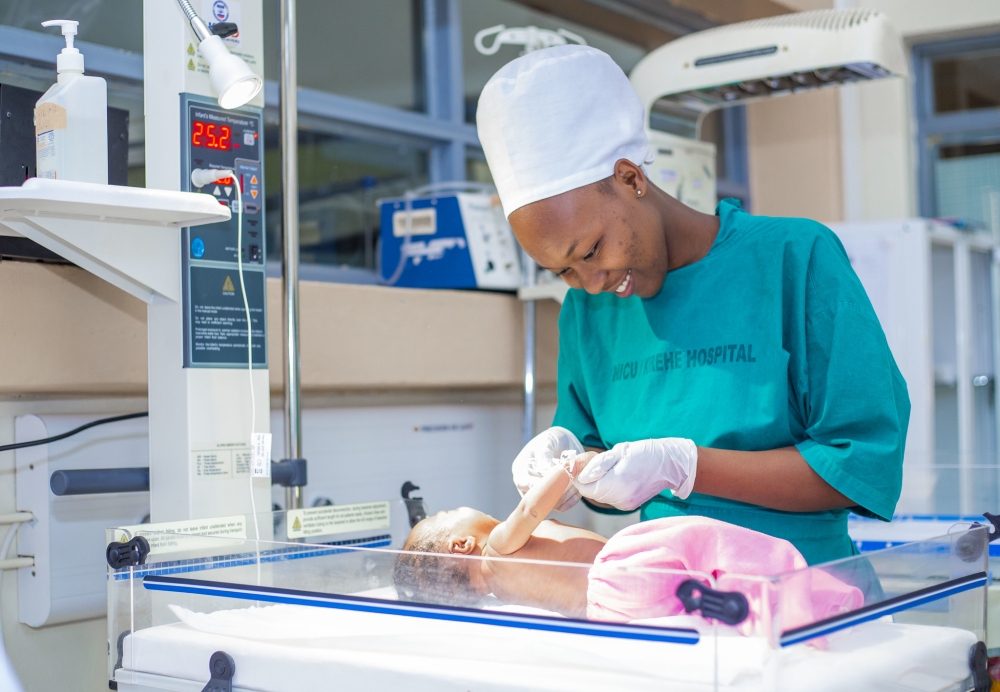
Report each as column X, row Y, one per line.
column 779, row 55
column 232, row 79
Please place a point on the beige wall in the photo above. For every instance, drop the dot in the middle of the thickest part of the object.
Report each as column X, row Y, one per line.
column 850, row 153
column 69, row 333
column 794, row 156
column 938, row 18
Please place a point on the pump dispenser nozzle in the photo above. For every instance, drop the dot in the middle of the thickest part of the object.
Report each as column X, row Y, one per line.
column 70, row 59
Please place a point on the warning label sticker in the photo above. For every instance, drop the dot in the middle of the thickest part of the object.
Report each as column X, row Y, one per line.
column 216, row 326
column 195, row 534
column 327, row 521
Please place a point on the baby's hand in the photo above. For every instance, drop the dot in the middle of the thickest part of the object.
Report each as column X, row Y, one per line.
column 573, row 463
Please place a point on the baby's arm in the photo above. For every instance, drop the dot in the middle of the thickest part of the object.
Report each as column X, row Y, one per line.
column 511, row 535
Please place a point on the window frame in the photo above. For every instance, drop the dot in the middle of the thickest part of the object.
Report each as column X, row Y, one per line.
column 440, row 127
column 952, row 128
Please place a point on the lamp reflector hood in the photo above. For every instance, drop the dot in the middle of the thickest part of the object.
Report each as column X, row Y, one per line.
column 232, row 79
column 767, row 57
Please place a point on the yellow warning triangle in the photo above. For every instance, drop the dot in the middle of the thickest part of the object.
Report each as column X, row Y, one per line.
column 190, row 50
column 227, row 285
column 190, row 64
column 297, row 525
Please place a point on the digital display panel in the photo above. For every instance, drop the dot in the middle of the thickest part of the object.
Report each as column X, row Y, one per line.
column 211, row 135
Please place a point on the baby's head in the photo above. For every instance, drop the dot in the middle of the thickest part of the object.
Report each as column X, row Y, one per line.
column 423, row 576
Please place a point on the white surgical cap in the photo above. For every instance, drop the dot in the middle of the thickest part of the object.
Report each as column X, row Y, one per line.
column 558, row 119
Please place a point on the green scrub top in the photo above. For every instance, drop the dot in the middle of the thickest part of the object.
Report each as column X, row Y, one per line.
column 766, row 342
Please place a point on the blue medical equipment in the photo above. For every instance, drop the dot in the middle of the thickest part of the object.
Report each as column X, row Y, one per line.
column 450, row 240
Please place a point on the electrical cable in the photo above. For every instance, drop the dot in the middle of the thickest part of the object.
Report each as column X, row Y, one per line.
column 63, row 436
column 8, row 539
column 253, row 400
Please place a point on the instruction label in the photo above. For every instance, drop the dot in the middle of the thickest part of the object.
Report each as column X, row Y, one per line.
column 222, row 463
column 195, row 534
column 328, row 521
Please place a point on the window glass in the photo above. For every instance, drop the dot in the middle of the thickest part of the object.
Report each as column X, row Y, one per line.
column 340, row 181
column 968, row 82
column 108, row 22
column 967, row 180
column 369, row 50
column 476, row 169
column 482, row 14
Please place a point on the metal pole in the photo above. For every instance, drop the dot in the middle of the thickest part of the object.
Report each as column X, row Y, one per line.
column 290, row 228
column 963, row 350
column 531, row 273
column 995, row 315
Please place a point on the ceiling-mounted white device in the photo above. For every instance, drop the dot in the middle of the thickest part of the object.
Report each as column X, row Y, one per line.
column 736, row 63
column 768, row 57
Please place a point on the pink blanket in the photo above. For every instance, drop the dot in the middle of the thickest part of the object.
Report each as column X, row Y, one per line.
column 622, row 586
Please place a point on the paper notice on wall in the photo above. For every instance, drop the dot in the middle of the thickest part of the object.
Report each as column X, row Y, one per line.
column 194, row 534
column 328, row 521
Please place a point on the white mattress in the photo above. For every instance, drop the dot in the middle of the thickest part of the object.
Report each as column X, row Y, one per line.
column 286, row 647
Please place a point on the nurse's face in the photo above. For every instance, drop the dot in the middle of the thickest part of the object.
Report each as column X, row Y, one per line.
column 601, row 237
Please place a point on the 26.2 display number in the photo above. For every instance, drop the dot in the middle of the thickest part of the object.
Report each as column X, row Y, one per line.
column 210, row 135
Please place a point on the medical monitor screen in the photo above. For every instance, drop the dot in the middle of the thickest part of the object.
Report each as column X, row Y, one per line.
column 211, row 135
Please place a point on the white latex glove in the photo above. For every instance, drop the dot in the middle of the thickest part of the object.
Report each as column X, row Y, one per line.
column 632, row 472
column 541, row 454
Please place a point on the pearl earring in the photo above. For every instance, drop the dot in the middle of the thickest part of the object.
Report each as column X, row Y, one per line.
column 638, row 192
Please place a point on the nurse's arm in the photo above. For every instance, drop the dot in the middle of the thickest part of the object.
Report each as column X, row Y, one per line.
column 778, row 479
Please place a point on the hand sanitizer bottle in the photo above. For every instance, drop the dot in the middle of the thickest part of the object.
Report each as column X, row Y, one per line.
column 71, row 119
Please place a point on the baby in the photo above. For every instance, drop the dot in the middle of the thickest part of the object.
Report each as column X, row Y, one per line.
column 626, row 577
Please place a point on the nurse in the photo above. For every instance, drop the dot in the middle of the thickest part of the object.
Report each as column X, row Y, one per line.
column 726, row 365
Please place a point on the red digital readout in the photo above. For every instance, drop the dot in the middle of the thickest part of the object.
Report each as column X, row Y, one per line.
column 211, row 135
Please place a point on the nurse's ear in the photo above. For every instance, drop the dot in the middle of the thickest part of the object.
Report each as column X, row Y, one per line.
column 631, row 177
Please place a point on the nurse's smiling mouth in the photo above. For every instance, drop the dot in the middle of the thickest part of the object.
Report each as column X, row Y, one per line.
column 627, row 287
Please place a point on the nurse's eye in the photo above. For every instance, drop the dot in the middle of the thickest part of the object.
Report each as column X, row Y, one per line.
column 593, row 251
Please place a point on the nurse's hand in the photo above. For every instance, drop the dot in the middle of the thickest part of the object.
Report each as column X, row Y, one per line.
column 541, row 454
column 630, row 473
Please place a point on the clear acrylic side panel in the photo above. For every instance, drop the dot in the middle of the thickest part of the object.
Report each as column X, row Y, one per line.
column 297, row 614
column 951, row 486
column 903, row 618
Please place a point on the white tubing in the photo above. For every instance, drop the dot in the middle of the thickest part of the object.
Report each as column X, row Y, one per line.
column 16, row 518
column 17, row 563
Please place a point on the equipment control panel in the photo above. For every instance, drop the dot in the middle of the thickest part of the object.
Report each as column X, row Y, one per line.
column 215, row 334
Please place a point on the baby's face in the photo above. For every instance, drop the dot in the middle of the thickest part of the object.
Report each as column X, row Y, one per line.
column 466, row 521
